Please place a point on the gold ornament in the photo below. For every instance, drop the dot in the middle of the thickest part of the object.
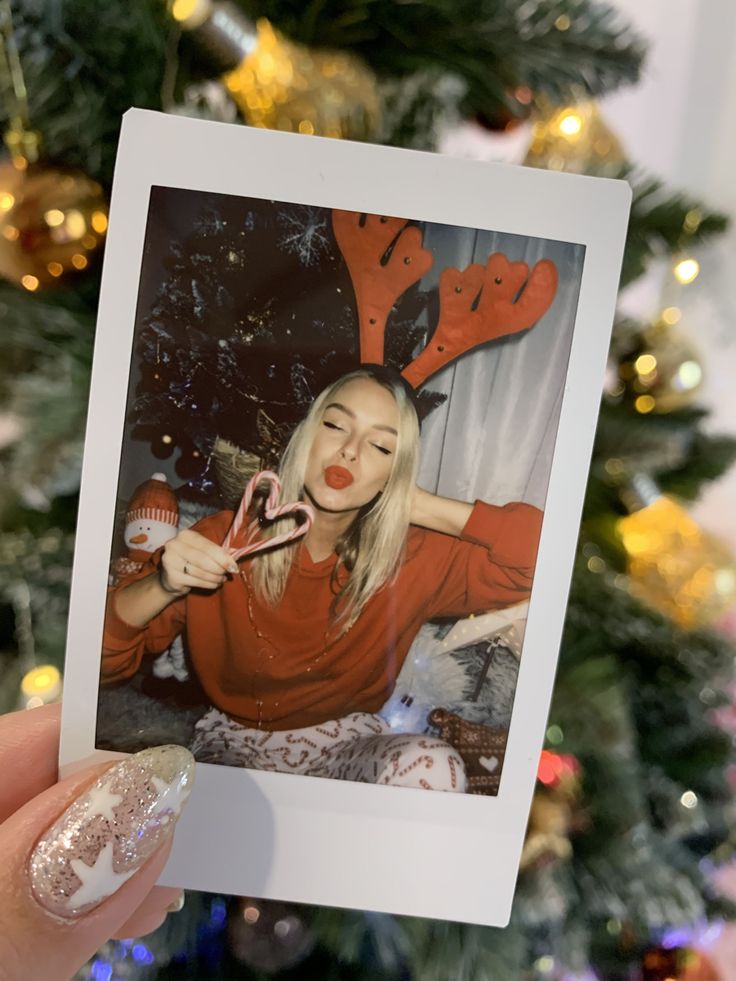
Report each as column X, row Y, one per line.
column 673, row 565
column 661, row 372
column 575, row 139
column 52, row 219
column 278, row 84
column 41, row 686
column 555, row 811
column 52, row 222
column 547, row 838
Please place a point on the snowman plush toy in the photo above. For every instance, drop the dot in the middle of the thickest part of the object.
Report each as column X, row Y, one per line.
column 151, row 520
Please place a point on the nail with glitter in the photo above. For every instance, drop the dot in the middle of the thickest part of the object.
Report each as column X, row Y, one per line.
column 108, row 833
column 178, row 905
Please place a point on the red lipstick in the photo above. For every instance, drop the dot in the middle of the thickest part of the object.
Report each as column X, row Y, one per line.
column 338, row 477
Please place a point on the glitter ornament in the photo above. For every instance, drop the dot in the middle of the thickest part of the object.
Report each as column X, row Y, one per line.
column 660, row 371
column 575, row 139
column 278, row 84
column 673, row 565
column 555, row 811
column 53, row 221
column 270, row 936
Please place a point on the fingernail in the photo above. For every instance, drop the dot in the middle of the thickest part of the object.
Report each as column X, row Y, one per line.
column 108, row 833
column 233, row 568
column 177, row 905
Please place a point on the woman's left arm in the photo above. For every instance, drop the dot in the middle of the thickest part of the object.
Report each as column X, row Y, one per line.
column 485, row 557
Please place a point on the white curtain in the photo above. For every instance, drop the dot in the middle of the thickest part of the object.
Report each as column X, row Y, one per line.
column 494, row 437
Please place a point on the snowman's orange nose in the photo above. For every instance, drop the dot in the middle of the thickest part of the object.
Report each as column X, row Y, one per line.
column 139, row 539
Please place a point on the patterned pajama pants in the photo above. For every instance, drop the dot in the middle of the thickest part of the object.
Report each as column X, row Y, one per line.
column 358, row 747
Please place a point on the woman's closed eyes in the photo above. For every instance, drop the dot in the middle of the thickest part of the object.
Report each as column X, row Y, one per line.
column 376, row 446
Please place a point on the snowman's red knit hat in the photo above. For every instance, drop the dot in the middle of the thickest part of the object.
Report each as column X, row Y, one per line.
column 155, row 500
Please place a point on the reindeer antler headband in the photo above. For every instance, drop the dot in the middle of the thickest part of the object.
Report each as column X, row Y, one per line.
column 477, row 305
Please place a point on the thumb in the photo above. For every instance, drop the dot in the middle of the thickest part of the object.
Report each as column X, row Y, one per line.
column 80, row 858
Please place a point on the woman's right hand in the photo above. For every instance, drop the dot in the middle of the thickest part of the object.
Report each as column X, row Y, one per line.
column 191, row 561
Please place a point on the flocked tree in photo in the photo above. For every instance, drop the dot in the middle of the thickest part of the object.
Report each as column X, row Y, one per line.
column 633, row 807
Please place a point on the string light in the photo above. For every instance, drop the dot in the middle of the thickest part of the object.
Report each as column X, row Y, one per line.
column 686, row 271
column 689, row 799
column 661, row 372
column 41, row 686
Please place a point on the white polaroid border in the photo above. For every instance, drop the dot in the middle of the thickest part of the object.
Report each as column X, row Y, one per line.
column 320, row 841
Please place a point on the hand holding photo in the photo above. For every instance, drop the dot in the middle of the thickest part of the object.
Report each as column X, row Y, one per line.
column 344, row 584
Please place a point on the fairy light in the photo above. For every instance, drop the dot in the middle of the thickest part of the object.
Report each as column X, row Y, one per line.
column 41, row 686
column 671, row 315
column 571, row 124
column 692, row 221
column 689, row 375
column 646, row 364
column 99, row 221
column 644, row 404
column 75, row 224
column 251, row 914
column 191, row 13
column 686, row 271
column 689, row 800
column 554, row 735
column 54, row 218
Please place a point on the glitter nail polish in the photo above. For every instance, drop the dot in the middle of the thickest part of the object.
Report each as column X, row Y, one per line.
column 177, row 906
column 107, row 834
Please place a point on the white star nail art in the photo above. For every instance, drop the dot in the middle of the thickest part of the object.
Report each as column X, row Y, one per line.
column 102, row 801
column 98, row 880
column 126, row 815
column 171, row 797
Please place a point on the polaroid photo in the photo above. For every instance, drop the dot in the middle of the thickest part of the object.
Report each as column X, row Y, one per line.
column 342, row 410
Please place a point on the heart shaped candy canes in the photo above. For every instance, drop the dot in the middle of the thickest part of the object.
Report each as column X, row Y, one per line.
column 272, row 511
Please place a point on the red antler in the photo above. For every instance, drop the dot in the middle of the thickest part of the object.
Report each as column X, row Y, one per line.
column 377, row 286
column 461, row 328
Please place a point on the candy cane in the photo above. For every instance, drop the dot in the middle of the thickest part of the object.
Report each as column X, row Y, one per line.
column 272, row 511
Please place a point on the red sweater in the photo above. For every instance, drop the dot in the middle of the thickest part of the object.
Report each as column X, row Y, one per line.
column 271, row 668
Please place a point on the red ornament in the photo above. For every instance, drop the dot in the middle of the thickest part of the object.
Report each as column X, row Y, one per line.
column 507, row 116
column 677, row 964
column 191, row 463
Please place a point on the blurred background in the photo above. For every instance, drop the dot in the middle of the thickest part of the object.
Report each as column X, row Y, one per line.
column 628, row 871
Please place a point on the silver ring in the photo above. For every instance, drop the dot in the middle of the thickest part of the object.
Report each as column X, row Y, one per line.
column 186, row 568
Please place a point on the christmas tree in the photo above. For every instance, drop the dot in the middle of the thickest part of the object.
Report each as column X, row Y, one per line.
column 633, row 806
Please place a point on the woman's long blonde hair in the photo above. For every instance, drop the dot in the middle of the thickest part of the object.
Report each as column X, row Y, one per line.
column 370, row 553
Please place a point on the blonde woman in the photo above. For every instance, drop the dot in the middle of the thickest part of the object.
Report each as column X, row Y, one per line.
column 300, row 646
